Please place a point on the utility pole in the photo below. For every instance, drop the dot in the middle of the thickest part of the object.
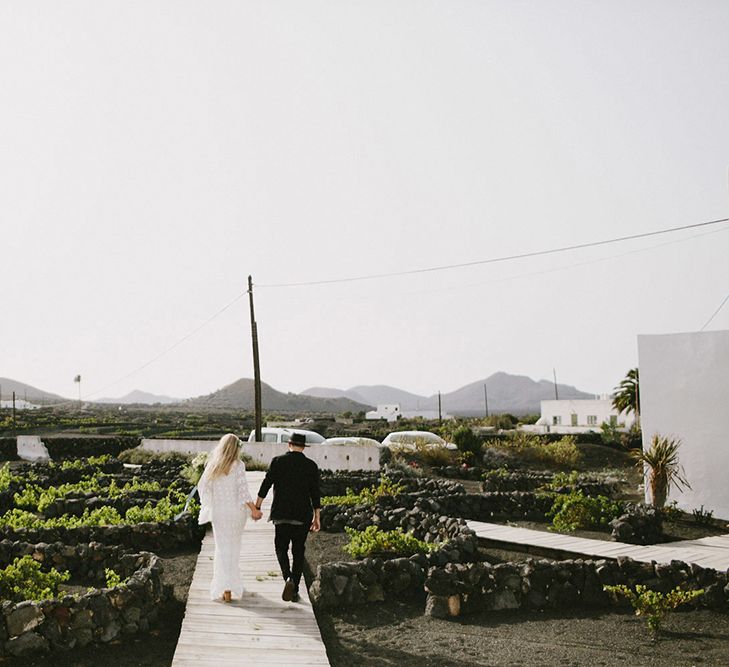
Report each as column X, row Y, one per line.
column 486, row 399
column 440, row 414
column 14, row 424
column 256, row 366
column 556, row 393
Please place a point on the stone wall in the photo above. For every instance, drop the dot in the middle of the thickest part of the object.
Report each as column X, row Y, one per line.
column 101, row 615
column 143, row 536
column 458, row 589
column 377, row 579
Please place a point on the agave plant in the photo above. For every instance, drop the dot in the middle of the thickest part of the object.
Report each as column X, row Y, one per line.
column 660, row 462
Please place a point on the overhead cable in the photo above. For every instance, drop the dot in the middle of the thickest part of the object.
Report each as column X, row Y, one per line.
column 494, row 260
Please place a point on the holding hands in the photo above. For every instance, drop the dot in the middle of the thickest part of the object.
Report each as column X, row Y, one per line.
column 256, row 514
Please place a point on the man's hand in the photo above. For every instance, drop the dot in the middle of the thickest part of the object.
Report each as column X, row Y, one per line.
column 256, row 514
column 315, row 525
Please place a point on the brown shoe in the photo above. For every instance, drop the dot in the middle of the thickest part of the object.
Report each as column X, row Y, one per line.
column 288, row 591
column 226, row 596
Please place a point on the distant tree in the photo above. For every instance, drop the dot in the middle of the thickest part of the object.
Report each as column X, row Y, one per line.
column 627, row 394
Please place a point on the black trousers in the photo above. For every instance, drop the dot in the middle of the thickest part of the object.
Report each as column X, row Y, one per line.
column 286, row 534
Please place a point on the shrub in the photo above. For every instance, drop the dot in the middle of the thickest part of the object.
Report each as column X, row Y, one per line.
column 366, row 496
column 6, row 477
column 139, row 456
column 702, row 517
column 23, row 579
column 564, row 452
column 652, row 604
column 467, row 441
column 112, row 578
column 575, row 511
column 373, row 541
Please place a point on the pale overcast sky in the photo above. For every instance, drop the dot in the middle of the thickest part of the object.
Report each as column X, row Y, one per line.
column 153, row 154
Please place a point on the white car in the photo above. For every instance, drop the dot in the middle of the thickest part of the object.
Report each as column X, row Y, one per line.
column 409, row 439
column 351, row 440
column 282, row 435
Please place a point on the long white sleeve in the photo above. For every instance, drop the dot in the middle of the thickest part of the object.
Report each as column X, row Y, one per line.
column 205, row 490
column 244, row 494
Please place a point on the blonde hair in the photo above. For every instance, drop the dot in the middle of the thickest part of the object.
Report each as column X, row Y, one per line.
column 223, row 456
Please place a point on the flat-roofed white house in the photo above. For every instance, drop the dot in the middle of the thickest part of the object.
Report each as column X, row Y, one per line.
column 579, row 416
column 389, row 411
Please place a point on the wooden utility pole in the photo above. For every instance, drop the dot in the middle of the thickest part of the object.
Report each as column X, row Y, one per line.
column 14, row 424
column 256, row 366
column 486, row 399
column 556, row 394
column 440, row 414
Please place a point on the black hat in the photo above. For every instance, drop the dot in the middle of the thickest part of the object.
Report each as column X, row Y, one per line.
column 298, row 439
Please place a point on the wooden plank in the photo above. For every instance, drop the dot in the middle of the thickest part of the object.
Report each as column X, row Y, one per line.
column 714, row 550
column 258, row 629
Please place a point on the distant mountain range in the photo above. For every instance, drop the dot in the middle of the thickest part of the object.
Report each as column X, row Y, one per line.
column 27, row 392
column 141, row 397
column 239, row 396
column 517, row 394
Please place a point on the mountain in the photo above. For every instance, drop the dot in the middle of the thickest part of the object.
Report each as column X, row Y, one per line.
column 517, row 394
column 240, row 394
column 140, row 397
column 26, row 391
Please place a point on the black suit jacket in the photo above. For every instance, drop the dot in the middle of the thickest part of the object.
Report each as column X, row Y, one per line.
column 295, row 481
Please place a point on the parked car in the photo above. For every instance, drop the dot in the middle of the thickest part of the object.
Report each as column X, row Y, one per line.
column 269, row 434
column 409, row 439
column 351, row 440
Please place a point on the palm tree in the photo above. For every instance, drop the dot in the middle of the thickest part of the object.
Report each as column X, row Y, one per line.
column 659, row 464
column 626, row 396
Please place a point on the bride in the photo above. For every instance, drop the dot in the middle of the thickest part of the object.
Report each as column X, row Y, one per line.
column 226, row 502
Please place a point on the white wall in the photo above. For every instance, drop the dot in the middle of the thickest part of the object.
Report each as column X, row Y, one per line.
column 600, row 408
column 30, row 448
column 327, row 457
column 684, row 392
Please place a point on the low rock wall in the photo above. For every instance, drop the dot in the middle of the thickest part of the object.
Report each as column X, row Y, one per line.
column 336, row 483
column 100, row 615
column 142, row 536
column 459, row 589
column 377, row 579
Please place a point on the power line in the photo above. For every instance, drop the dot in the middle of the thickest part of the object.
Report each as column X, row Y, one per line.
column 171, row 347
column 716, row 312
column 494, row 260
column 161, row 354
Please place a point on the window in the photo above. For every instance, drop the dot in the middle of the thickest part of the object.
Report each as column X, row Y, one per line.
column 592, row 420
column 573, row 418
column 556, row 420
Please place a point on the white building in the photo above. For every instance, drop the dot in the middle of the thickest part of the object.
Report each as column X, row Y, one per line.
column 390, row 412
column 684, row 389
column 579, row 416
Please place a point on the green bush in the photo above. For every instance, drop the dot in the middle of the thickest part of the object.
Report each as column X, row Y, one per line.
column 139, row 456
column 366, row 496
column 653, row 604
column 564, row 452
column 575, row 511
column 373, row 541
column 23, row 579
column 112, row 578
column 467, row 441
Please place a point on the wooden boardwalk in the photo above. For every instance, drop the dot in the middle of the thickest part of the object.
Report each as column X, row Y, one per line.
column 259, row 629
column 712, row 552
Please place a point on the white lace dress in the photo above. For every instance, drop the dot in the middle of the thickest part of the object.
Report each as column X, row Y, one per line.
column 223, row 504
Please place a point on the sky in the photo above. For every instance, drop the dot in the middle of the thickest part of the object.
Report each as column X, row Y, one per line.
column 154, row 154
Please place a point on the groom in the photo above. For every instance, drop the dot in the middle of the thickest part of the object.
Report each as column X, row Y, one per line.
column 295, row 509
